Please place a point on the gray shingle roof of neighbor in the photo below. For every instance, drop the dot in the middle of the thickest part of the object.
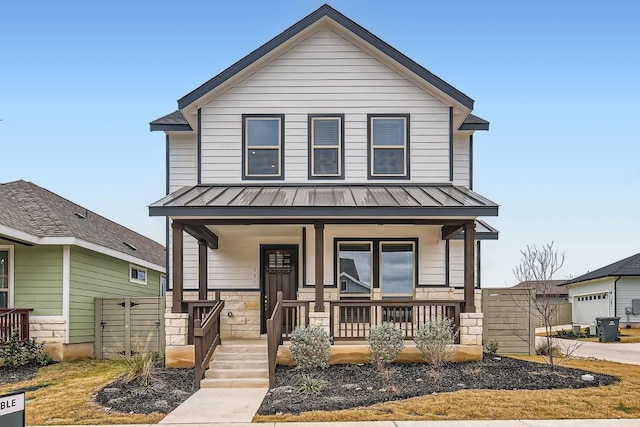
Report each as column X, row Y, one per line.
column 176, row 122
column 625, row 267
column 31, row 209
column 348, row 265
column 326, row 11
column 556, row 287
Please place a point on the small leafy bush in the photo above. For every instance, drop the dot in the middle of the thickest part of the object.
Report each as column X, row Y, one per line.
column 434, row 340
column 310, row 347
column 311, row 384
column 140, row 367
column 16, row 353
column 492, row 347
column 385, row 343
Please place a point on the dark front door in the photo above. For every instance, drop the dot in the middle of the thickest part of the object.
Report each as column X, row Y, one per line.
column 279, row 273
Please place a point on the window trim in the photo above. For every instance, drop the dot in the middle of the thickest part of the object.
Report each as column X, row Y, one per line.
column 245, row 147
column 371, row 149
column 10, row 291
column 138, row 268
column 311, row 147
column 376, row 273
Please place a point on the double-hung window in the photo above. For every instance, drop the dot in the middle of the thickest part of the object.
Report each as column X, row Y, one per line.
column 137, row 275
column 326, row 149
column 263, row 146
column 5, row 277
column 388, row 145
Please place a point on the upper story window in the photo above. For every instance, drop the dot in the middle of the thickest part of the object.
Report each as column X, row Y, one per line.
column 137, row 274
column 388, row 145
column 263, row 146
column 326, row 148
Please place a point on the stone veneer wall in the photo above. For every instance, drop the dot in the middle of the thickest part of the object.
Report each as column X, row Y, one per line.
column 471, row 329
column 52, row 332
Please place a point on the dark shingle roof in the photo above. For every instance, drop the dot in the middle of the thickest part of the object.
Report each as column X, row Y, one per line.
column 295, row 29
column 31, row 209
column 474, row 123
column 556, row 287
column 172, row 121
column 626, row 267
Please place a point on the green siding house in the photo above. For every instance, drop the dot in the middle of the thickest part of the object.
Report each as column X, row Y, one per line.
column 56, row 257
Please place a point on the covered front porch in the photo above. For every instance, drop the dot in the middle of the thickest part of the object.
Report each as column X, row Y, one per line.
column 260, row 268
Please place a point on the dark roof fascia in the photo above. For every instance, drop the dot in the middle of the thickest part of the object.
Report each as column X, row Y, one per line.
column 486, row 235
column 169, row 128
column 604, row 276
column 474, row 126
column 321, row 211
column 295, row 29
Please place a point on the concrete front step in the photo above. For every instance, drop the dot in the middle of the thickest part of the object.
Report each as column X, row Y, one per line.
column 237, row 373
column 238, row 356
column 234, row 383
column 242, row 348
column 242, row 364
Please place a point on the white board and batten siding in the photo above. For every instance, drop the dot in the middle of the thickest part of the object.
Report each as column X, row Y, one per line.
column 627, row 289
column 325, row 74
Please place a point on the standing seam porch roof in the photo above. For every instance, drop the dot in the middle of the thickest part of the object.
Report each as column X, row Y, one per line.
column 338, row 200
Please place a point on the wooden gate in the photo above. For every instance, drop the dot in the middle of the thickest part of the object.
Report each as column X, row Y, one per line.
column 127, row 326
column 508, row 319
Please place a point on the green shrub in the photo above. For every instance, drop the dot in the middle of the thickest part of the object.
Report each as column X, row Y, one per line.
column 492, row 347
column 435, row 341
column 16, row 353
column 385, row 343
column 310, row 347
column 311, row 384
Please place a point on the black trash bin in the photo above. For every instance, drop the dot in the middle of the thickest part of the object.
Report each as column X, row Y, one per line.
column 608, row 328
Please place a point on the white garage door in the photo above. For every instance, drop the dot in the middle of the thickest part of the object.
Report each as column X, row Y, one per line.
column 587, row 307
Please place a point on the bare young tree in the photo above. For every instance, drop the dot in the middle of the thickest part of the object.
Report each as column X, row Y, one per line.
column 538, row 267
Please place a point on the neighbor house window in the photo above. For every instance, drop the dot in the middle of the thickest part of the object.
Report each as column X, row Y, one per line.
column 263, row 146
column 388, row 146
column 137, row 274
column 5, row 276
column 326, row 150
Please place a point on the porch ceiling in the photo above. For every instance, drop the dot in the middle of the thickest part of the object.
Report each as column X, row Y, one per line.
column 330, row 200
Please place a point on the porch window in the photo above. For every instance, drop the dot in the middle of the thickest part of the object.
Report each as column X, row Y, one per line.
column 326, row 151
column 137, row 275
column 355, row 269
column 397, row 263
column 4, row 279
column 388, row 146
column 263, row 146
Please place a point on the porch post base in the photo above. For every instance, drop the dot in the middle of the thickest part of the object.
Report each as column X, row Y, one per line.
column 471, row 328
column 319, row 318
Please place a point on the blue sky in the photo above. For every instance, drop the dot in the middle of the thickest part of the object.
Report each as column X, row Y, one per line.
column 79, row 82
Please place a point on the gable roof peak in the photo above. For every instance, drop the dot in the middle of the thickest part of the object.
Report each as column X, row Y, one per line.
column 326, row 11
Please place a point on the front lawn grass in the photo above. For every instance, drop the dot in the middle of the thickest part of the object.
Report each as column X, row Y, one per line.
column 621, row 400
column 68, row 397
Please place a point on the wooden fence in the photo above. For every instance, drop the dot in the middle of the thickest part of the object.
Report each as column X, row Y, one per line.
column 127, row 326
column 508, row 319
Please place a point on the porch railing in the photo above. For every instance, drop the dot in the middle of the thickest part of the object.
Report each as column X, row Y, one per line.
column 295, row 314
column 197, row 310
column 352, row 319
column 206, row 337
column 12, row 319
column 274, row 337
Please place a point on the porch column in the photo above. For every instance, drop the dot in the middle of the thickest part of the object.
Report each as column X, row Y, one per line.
column 469, row 270
column 319, row 229
column 202, row 269
column 178, row 291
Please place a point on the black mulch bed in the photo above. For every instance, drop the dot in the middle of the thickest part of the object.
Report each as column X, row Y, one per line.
column 16, row 375
column 168, row 389
column 350, row 386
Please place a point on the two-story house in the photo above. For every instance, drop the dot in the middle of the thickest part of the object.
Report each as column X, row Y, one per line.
column 331, row 167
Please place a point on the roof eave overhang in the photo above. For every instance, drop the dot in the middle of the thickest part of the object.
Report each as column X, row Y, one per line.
column 300, row 29
column 169, row 128
column 474, row 126
column 321, row 211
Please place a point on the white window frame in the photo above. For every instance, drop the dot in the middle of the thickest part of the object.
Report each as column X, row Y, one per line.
column 10, row 250
column 163, row 278
column 413, row 267
column 313, row 147
column 138, row 268
column 245, row 145
column 373, row 148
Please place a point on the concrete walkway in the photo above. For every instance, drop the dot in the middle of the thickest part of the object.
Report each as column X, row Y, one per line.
column 611, row 351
